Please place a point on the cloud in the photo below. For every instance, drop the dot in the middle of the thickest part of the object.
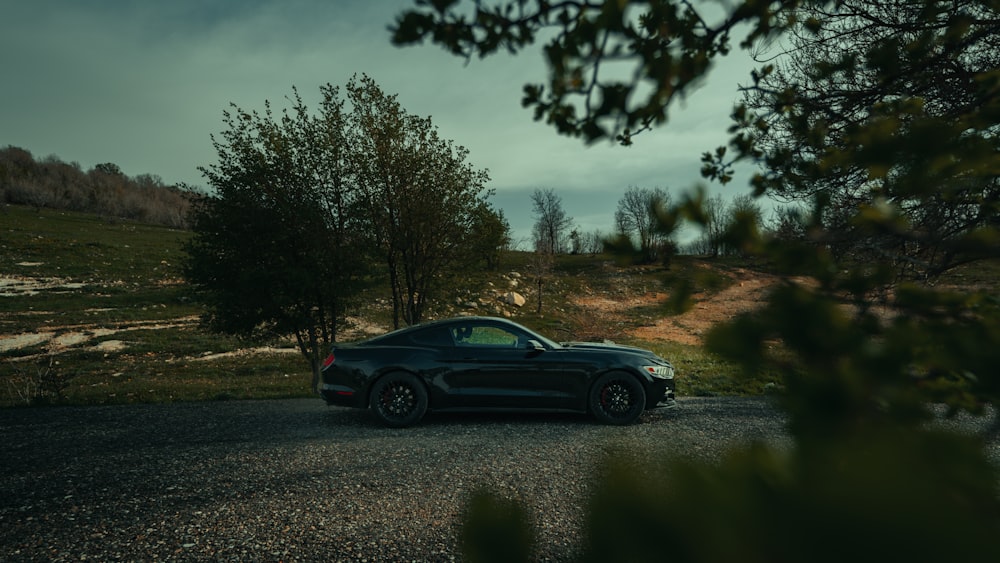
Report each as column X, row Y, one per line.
column 144, row 85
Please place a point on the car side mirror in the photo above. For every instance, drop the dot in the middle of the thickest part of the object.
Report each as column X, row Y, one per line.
column 535, row 346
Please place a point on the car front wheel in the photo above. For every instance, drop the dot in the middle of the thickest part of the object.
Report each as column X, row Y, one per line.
column 399, row 400
column 617, row 398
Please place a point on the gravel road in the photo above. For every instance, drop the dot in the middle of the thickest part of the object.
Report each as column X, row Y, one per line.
column 298, row 481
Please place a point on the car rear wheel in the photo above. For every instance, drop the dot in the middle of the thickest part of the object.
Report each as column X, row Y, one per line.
column 398, row 400
column 617, row 398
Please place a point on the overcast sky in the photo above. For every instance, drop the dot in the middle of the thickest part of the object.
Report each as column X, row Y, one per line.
column 144, row 85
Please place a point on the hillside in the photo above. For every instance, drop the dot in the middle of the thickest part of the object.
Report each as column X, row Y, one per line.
column 52, row 184
column 96, row 311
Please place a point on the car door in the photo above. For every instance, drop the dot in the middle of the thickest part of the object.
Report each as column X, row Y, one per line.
column 495, row 367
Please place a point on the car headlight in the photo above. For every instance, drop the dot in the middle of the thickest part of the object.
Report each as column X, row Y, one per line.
column 660, row 372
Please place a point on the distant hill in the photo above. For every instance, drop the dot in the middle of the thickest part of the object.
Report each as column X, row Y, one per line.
column 103, row 190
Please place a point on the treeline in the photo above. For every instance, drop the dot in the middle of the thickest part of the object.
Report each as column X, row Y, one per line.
column 639, row 230
column 104, row 190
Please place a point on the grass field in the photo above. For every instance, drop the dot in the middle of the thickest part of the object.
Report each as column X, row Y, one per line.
column 94, row 311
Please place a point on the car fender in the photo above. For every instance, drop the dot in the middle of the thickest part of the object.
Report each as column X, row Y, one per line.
column 647, row 381
column 612, row 364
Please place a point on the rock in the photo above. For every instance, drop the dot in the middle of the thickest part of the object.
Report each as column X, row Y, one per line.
column 513, row 298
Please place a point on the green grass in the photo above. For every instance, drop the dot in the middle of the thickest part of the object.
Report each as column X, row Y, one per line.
column 150, row 378
column 83, row 247
column 158, row 366
column 126, row 277
column 702, row 374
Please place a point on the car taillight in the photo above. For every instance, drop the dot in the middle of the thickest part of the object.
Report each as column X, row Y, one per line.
column 328, row 361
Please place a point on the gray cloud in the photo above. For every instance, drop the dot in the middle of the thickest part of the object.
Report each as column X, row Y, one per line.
column 144, row 84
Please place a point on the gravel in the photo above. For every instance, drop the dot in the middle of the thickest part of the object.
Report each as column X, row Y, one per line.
column 295, row 480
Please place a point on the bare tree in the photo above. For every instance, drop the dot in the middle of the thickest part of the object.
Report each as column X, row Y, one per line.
column 593, row 242
column 714, row 209
column 636, row 216
column 551, row 221
column 719, row 220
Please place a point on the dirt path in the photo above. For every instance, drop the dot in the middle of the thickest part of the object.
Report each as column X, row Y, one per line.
column 747, row 293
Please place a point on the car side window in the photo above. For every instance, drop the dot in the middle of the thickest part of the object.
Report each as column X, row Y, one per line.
column 438, row 336
column 485, row 336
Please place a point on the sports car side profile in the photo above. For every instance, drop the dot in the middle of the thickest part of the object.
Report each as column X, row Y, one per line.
column 486, row 363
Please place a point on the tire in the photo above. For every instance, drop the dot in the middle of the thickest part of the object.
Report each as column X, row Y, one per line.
column 398, row 400
column 617, row 398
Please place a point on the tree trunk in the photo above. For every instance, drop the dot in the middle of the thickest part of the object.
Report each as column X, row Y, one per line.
column 309, row 347
column 540, row 284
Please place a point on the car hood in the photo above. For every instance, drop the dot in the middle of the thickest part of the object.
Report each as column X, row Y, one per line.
column 607, row 347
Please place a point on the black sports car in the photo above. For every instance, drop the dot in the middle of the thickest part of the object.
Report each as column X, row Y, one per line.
column 486, row 363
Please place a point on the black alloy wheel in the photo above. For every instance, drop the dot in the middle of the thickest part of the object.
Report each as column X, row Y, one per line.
column 617, row 398
column 399, row 400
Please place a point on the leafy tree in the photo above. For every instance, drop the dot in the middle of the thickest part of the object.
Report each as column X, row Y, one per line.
column 109, row 168
column 669, row 45
column 421, row 198
column 908, row 65
column 868, row 471
column 490, row 235
column 301, row 203
column 276, row 250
